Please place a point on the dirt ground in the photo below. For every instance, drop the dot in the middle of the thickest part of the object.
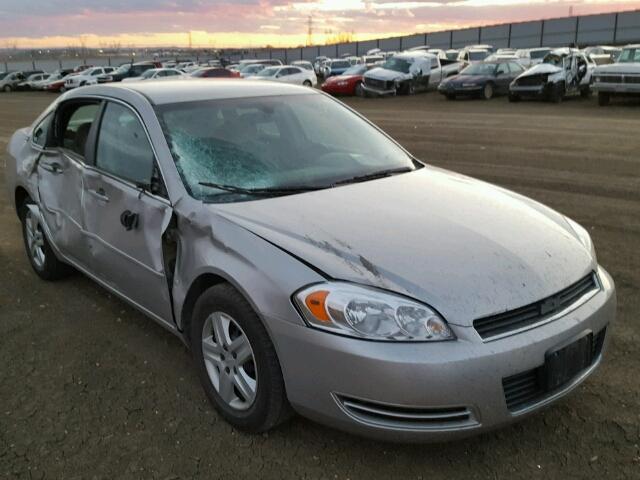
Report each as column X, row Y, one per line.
column 89, row 388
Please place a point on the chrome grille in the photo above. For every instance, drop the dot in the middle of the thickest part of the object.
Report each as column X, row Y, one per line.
column 375, row 83
column 532, row 81
column 533, row 313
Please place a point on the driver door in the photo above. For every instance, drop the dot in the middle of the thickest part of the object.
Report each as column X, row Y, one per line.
column 127, row 211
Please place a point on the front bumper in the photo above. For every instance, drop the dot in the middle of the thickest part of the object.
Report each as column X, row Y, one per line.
column 617, row 88
column 456, row 386
column 537, row 91
column 377, row 91
column 448, row 89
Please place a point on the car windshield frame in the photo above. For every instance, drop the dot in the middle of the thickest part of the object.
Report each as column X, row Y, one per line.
column 398, row 64
column 632, row 57
column 481, row 69
column 252, row 150
column 265, row 72
column 359, row 69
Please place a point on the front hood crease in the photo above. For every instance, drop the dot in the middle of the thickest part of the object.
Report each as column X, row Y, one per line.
column 464, row 247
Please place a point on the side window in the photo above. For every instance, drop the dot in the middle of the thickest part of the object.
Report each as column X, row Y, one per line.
column 434, row 63
column 515, row 67
column 40, row 133
column 502, row 69
column 123, row 148
column 75, row 124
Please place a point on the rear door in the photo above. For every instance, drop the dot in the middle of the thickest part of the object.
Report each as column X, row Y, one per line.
column 127, row 211
column 60, row 177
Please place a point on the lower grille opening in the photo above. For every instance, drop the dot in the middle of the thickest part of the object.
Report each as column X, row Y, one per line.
column 409, row 418
column 527, row 388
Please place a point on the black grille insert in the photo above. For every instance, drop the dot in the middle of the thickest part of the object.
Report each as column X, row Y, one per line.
column 375, row 83
column 527, row 388
column 413, row 418
column 535, row 312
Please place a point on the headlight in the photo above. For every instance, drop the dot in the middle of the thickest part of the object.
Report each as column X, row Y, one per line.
column 583, row 235
column 369, row 313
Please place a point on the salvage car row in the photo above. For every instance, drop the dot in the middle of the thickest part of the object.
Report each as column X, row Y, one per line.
column 549, row 74
column 475, row 71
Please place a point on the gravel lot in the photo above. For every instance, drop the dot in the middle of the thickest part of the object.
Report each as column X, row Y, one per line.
column 89, row 388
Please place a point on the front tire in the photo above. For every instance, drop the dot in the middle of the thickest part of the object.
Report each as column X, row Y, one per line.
column 557, row 93
column 236, row 361
column 39, row 252
column 360, row 91
column 307, row 83
column 488, row 91
column 63, row 89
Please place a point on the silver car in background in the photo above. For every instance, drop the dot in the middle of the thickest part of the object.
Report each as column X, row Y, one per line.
column 309, row 261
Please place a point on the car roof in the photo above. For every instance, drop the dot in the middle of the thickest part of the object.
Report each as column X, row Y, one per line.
column 194, row 89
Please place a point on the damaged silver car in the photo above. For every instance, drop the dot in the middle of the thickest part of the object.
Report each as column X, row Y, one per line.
column 309, row 261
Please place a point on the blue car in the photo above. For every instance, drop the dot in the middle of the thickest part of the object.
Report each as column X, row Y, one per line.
column 335, row 67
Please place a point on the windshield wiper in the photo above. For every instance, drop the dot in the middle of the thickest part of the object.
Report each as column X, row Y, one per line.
column 259, row 191
column 372, row 176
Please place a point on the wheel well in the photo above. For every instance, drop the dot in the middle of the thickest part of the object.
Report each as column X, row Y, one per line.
column 21, row 196
column 197, row 288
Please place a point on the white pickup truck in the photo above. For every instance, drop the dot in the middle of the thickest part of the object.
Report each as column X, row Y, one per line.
column 409, row 72
column 619, row 79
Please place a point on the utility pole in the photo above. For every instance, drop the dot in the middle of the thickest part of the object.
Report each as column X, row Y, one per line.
column 309, row 31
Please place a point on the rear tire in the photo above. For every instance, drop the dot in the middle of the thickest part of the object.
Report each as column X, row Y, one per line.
column 603, row 99
column 39, row 252
column 7, row 88
column 307, row 83
column 222, row 318
column 360, row 91
column 63, row 89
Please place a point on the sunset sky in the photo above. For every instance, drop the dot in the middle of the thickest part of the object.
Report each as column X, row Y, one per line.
column 227, row 23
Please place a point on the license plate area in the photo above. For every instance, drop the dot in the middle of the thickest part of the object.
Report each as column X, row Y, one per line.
column 563, row 364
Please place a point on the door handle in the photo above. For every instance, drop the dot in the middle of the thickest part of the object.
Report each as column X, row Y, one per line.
column 99, row 194
column 129, row 220
column 53, row 167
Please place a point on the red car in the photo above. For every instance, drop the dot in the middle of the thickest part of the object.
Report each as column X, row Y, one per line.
column 215, row 72
column 348, row 83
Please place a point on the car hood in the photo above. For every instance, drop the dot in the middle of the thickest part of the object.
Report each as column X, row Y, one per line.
column 541, row 69
column 380, row 73
column 342, row 78
column 459, row 79
column 618, row 68
column 465, row 247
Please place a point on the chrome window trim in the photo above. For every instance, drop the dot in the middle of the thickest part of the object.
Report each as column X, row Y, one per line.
column 153, row 149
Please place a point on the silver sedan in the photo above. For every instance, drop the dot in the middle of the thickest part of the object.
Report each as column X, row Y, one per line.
column 309, row 261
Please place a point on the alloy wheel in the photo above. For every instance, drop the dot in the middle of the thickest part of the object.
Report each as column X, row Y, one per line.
column 229, row 361
column 35, row 240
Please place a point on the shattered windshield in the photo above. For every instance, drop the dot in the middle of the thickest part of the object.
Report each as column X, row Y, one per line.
column 306, row 140
column 397, row 65
column 553, row 59
column 630, row 55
